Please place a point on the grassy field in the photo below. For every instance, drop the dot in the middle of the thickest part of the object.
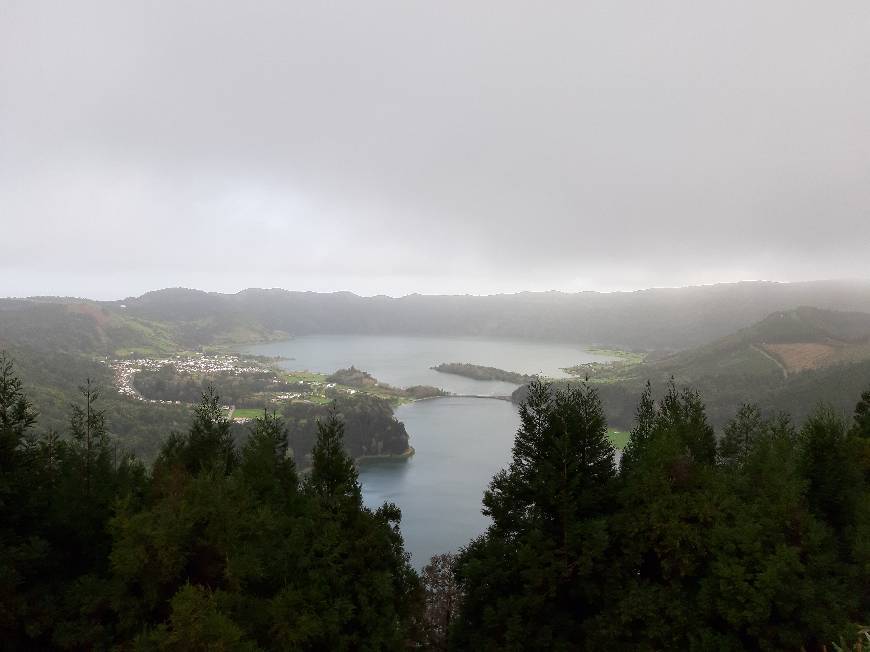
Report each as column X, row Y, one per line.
column 627, row 357
column 320, row 399
column 247, row 413
column 606, row 371
column 619, row 438
column 307, row 376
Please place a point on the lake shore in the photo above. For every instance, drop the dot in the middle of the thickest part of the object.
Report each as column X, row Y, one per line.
column 406, row 454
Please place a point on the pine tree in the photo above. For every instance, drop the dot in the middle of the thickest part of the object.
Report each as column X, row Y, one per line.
column 88, row 431
column 830, row 467
column 740, row 434
column 642, row 431
column 209, row 443
column 17, row 415
column 683, row 414
column 861, row 421
column 265, row 463
column 536, row 575
column 333, row 476
column 22, row 551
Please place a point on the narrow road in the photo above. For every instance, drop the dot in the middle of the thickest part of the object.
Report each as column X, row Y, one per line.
column 772, row 359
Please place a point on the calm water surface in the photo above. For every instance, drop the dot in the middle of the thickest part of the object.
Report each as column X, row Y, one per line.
column 405, row 361
column 460, row 442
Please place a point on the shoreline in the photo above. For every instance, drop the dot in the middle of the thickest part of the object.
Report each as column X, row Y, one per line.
column 407, row 454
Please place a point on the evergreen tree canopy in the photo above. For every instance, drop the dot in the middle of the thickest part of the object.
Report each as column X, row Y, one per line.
column 333, row 477
column 761, row 542
column 862, row 416
column 529, row 582
column 218, row 549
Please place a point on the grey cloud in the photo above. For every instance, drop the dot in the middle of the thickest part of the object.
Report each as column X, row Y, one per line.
column 439, row 147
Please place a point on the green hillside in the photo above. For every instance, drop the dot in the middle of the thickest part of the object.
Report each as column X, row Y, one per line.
column 788, row 361
column 759, row 351
column 784, row 355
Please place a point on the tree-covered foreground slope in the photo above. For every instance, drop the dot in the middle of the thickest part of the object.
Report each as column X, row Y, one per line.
column 758, row 538
column 215, row 547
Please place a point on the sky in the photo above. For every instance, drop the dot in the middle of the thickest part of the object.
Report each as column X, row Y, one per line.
column 434, row 147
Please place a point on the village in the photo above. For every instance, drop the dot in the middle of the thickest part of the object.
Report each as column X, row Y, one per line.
column 191, row 363
column 312, row 387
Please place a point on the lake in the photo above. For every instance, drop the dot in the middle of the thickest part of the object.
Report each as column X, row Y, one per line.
column 460, row 442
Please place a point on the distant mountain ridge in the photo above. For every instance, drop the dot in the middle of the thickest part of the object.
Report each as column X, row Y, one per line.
column 667, row 319
column 671, row 319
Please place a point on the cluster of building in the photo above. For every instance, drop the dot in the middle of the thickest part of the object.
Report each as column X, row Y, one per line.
column 286, row 396
column 194, row 363
column 125, row 369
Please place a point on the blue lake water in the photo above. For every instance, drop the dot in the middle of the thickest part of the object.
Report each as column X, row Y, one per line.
column 460, row 442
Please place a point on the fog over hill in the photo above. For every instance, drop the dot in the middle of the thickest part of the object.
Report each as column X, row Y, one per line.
column 790, row 361
column 666, row 319
column 672, row 319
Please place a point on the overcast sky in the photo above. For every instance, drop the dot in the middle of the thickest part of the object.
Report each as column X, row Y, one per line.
column 438, row 147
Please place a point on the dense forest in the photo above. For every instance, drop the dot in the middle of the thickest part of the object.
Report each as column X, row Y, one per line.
column 370, row 420
column 758, row 538
column 167, row 383
column 215, row 547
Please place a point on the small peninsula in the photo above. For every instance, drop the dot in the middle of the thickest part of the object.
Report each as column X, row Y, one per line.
column 481, row 372
column 364, row 381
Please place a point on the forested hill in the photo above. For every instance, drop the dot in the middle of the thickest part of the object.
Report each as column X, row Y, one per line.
column 784, row 343
column 788, row 361
column 666, row 319
column 670, row 319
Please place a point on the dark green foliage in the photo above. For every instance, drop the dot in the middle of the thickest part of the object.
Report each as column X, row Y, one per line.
column 370, row 428
column 834, row 482
column 762, row 546
column 761, row 542
column 209, row 443
column 50, row 379
column 266, row 457
column 219, row 549
column 58, row 495
column 264, row 563
column 16, row 413
column 168, row 384
column 773, row 579
column 531, row 581
column 642, row 431
column 861, row 423
column 740, row 434
column 333, row 478
column 682, row 415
